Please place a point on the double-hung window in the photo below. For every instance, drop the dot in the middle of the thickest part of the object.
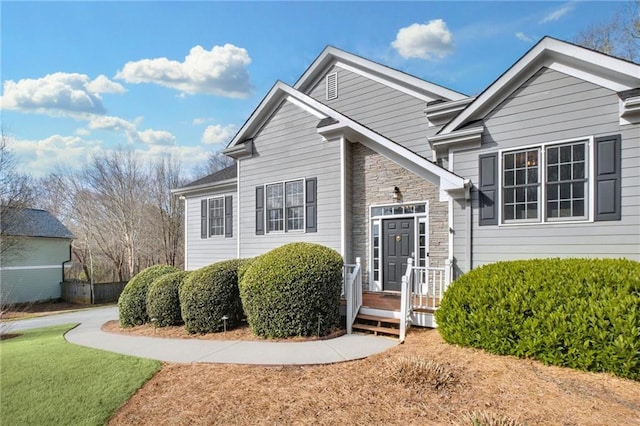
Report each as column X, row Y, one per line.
column 546, row 183
column 286, row 206
column 216, row 217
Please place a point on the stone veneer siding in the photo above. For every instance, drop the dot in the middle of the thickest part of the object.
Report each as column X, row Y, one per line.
column 373, row 178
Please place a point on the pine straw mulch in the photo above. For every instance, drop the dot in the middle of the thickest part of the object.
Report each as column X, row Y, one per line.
column 423, row 381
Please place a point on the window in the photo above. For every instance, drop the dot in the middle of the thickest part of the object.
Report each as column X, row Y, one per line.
column 294, row 201
column 545, row 183
column 290, row 206
column 216, row 216
column 275, row 216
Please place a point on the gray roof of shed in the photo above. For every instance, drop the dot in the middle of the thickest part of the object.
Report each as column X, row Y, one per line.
column 33, row 223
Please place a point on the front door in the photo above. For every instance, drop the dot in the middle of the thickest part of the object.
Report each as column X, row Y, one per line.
column 398, row 245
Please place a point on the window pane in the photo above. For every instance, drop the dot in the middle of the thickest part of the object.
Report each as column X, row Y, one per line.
column 578, row 152
column 421, row 227
column 508, row 161
column 521, row 177
column 521, row 159
column 520, row 195
column 552, row 209
column 376, row 211
column 532, row 210
column 565, row 154
column 578, row 190
column 295, row 193
column 295, row 218
column 532, row 158
column 532, row 176
column 409, row 209
column 294, row 201
column 509, row 178
column 509, row 212
column 520, row 211
column 274, row 196
column 552, row 155
column 553, row 192
column 552, row 173
column 420, row 208
column 216, row 216
column 565, row 172
column 578, row 170
column 565, row 208
column 578, row 208
column 509, row 196
column 532, row 193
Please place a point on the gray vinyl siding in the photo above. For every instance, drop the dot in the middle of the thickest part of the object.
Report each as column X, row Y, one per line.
column 553, row 106
column 205, row 251
column 288, row 147
column 38, row 279
column 388, row 111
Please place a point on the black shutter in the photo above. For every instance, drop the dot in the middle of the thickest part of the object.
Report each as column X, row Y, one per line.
column 311, row 206
column 259, row 210
column 203, row 218
column 228, row 216
column 488, row 189
column 608, row 178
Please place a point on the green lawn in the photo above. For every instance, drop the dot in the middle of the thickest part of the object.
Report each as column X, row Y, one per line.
column 45, row 380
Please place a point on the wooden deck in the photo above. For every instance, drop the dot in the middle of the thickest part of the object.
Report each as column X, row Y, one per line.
column 381, row 300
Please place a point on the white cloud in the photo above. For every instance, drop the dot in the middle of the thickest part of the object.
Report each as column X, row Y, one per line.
column 59, row 94
column 217, row 134
column 424, row 40
column 117, row 124
column 42, row 156
column 220, row 71
column 522, row 36
column 201, row 120
column 558, row 13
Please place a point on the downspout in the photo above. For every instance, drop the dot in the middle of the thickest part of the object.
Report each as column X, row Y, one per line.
column 468, row 252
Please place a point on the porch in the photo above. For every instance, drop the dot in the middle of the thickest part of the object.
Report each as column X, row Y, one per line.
column 389, row 312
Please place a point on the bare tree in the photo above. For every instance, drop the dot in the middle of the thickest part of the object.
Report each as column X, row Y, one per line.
column 216, row 161
column 16, row 194
column 618, row 37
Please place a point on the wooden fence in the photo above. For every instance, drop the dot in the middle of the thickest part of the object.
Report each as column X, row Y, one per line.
column 80, row 292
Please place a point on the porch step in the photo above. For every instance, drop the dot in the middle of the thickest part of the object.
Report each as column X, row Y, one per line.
column 377, row 324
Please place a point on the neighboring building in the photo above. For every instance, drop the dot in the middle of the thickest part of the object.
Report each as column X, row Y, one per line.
column 32, row 268
column 383, row 166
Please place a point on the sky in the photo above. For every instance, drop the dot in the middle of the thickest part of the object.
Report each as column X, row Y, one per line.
column 180, row 78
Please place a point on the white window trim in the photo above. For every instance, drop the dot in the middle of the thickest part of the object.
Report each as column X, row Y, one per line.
column 224, row 221
column 377, row 220
column 590, row 208
column 284, row 208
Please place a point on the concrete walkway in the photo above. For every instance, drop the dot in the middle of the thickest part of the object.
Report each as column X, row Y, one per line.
column 88, row 333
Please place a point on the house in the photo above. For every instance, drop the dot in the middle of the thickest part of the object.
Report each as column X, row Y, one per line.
column 415, row 184
column 36, row 248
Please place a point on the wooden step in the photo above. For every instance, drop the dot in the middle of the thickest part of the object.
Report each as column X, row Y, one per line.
column 378, row 318
column 376, row 329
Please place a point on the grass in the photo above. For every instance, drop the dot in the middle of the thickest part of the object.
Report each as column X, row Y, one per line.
column 45, row 380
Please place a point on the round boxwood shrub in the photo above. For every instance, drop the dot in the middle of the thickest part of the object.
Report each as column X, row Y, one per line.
column 163, row 303
column 132, row 304
column 579, row 313
column 209, row 294
column 292, row 290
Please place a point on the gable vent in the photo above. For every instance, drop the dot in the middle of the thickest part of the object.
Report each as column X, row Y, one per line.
column 332, row 86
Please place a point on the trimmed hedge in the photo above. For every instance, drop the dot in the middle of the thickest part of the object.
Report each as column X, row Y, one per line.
column 163, row 303
column 132, row 304
column 289, row 290
column 210, row 293
column 578, row 313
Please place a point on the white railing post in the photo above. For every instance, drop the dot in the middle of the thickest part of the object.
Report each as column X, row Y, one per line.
column 353, row 292
column 405, row 299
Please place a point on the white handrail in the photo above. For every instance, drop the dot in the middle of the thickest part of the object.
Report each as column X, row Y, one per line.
column 352, row 291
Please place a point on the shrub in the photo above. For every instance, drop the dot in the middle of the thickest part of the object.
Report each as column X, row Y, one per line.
column 293, row 290
column 132, row 304
column 579, row 313
column 418, row 372
column 209, row 294
column 163, row 303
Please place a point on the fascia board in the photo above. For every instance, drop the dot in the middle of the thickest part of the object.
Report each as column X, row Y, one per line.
column 216, row 186
column 598, row 68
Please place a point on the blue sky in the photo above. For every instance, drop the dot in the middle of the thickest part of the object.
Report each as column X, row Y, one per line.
column 179, row 78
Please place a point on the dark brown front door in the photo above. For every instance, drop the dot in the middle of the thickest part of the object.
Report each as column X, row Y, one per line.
column 398, row 245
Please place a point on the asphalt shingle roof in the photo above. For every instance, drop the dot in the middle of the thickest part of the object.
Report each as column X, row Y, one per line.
column 230, row 172
column 33, row 223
